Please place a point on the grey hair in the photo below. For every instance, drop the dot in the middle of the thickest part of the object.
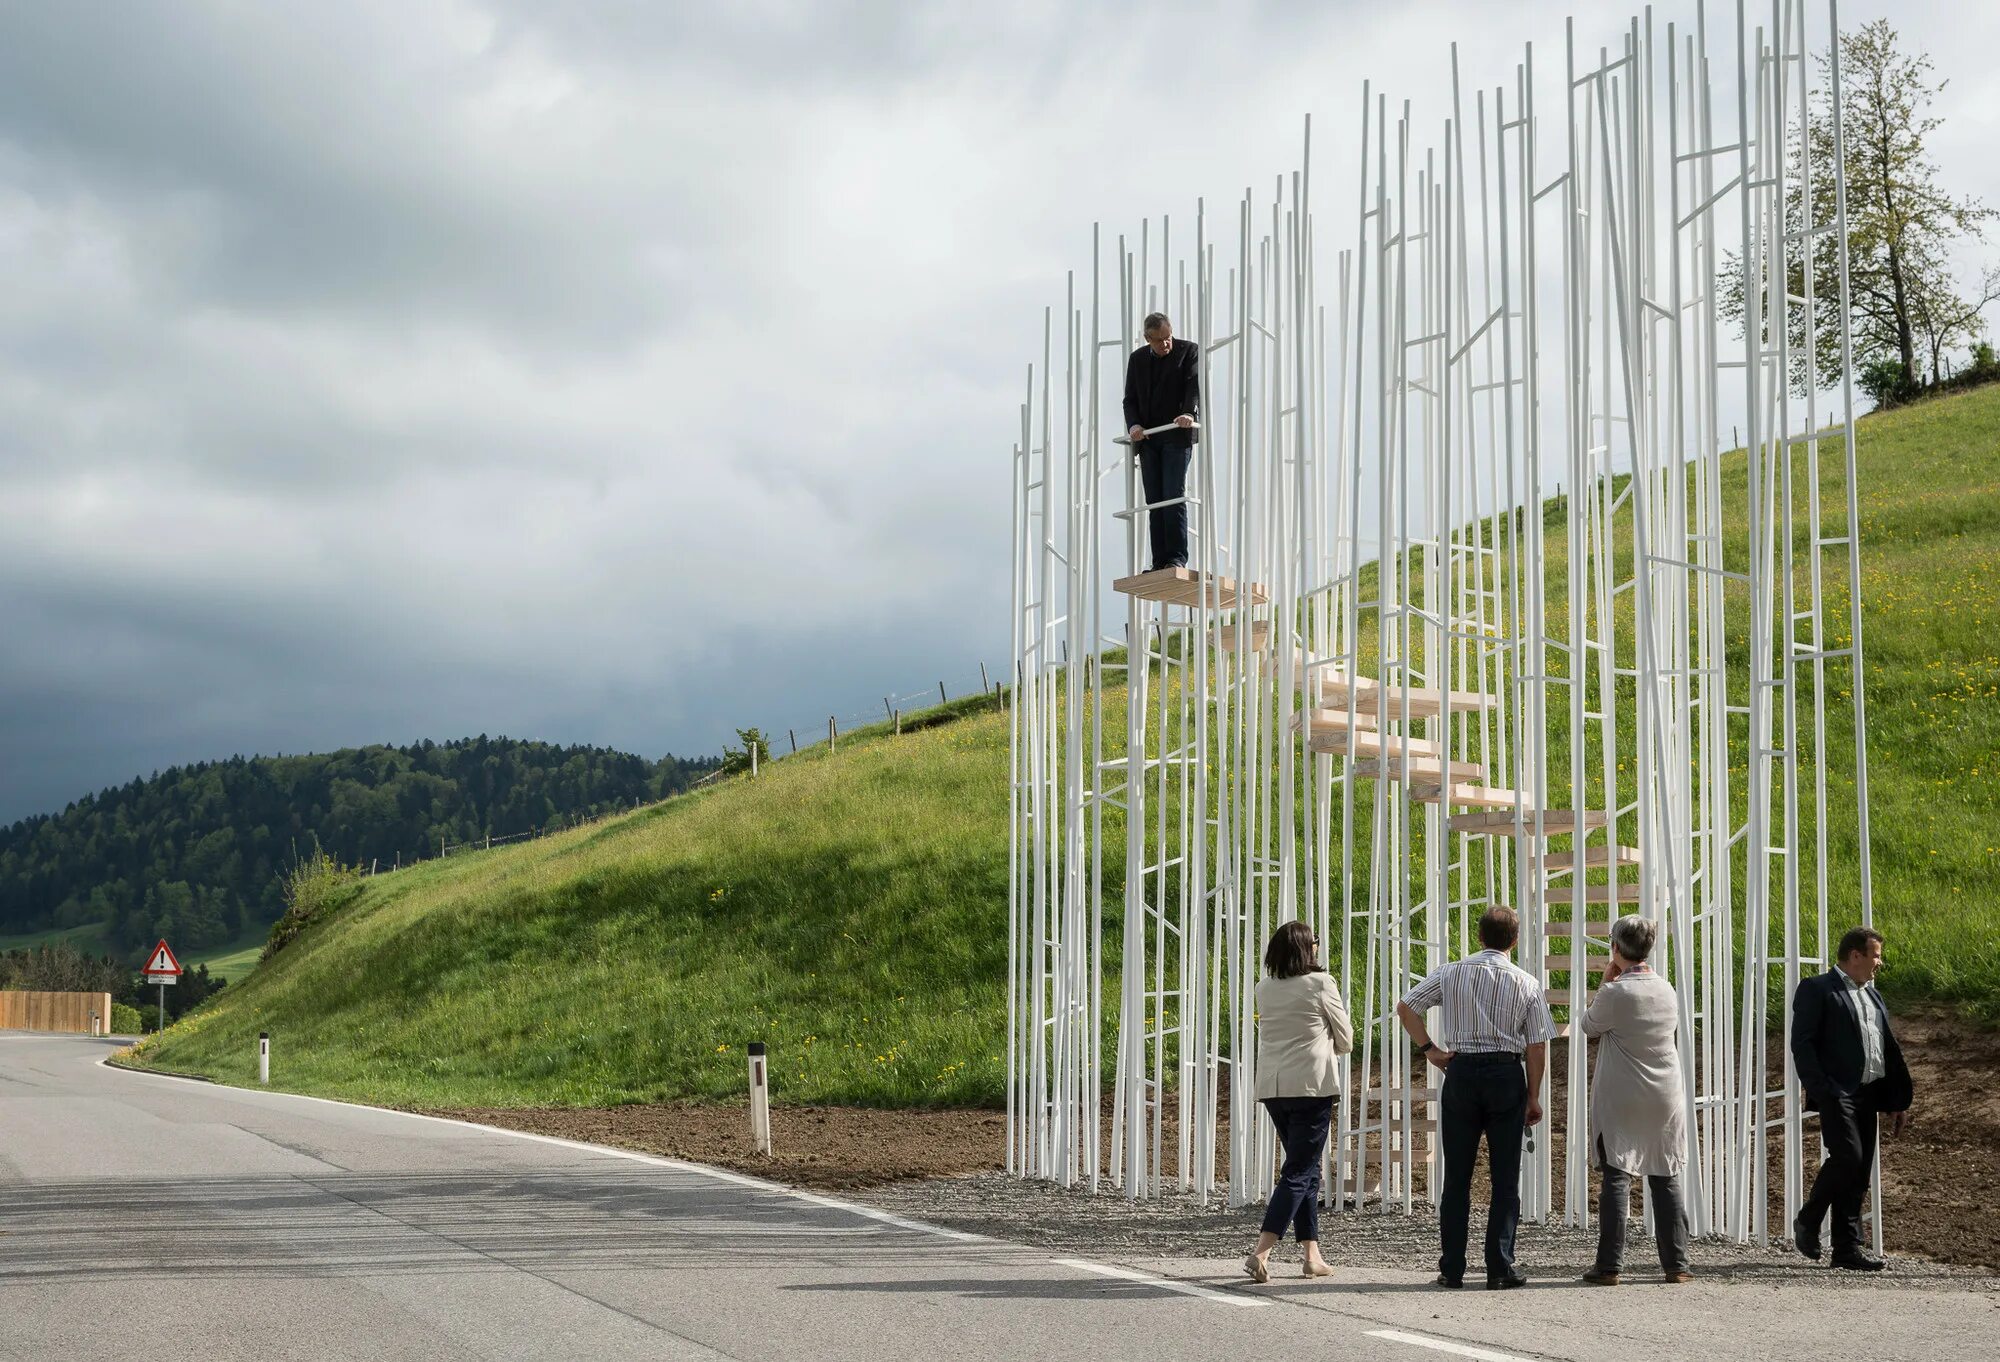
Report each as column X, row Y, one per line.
column 1633, row 937
column 1154, row 321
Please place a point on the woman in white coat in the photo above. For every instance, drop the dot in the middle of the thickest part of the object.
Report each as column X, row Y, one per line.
column 1302, row 1030
column 1637, row 1119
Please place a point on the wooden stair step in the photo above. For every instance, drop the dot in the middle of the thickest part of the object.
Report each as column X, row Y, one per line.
column 1400, row 1094
column 1419, row 771
column 1229, row 637
column 1592, row 856
column 1559, row 961
column 1184, row 586
column 1560, row 997
column 1555, row 822
column 1559, row 894
column 1468, row 796
column 1567, row 930
column 1370, row 696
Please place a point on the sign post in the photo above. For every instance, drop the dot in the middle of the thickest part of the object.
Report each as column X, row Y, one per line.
column 163, row 969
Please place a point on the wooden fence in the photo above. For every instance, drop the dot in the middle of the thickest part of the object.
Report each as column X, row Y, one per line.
column 24, row 1011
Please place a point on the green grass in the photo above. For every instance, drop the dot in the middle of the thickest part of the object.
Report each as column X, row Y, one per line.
column 87, row 937
column 840, row 907
column 850, row 908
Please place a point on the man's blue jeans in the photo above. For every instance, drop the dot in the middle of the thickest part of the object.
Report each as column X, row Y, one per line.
column 1302, row 1124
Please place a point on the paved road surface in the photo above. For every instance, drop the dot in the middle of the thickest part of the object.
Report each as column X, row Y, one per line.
column 154, row 1219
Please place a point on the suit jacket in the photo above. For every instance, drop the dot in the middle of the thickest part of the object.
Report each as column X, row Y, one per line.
column 1829, row 1053
column 1302, row 1030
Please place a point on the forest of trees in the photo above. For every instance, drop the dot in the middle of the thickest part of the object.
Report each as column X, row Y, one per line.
column 194, row 854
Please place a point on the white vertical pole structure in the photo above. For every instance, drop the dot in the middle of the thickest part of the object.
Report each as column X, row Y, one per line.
column 1505, row 331
column 264, row 1057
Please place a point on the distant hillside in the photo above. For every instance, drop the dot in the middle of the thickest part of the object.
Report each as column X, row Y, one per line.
column 193, row 853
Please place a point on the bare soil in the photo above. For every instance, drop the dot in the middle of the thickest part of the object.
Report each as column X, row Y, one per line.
column 1941, row 1180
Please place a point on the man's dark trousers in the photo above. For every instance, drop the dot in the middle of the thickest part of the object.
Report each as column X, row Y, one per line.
column 1163, row 467
column 1484, row 1094
column 1847, row 1125
column 1302, row 1124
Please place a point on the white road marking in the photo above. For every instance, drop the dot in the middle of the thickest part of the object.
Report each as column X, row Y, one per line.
column 658, row 1161
column 1445, row 1345
column 1162, row 1283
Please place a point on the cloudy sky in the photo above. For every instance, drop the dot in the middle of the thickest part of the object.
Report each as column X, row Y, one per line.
column 611, row 372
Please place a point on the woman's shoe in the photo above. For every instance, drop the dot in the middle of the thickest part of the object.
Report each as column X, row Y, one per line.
column 1321, row 1268
column 1259, row 1270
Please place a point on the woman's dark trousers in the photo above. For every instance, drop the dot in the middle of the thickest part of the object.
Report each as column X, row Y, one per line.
column 1485, row 1095
column 1302, row 1124
column 1614, row 1206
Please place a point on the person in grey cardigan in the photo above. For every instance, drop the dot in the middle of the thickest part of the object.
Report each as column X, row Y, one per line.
column 1302, row 1030
column 1636, row 1109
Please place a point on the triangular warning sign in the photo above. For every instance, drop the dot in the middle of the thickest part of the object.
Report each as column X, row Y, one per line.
column 162, row 961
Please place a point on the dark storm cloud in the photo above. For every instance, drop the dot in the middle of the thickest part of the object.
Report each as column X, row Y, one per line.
column 597, row 372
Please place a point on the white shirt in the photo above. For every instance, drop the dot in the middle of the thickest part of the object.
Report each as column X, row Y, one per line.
column 1869, row 1017
column 1489, row 1003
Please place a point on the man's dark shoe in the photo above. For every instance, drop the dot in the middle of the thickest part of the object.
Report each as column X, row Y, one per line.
column 1597, row 1276
column 1454, row 1283
column 1505, row 1281
column 1806, row 1237
column 1858, row 1262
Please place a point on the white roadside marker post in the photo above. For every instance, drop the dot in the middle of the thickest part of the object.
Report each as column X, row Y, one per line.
column 264, row 1057
column 760, row 1098
column 93, row 1025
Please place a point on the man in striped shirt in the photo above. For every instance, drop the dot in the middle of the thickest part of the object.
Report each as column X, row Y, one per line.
column 1495, row 1020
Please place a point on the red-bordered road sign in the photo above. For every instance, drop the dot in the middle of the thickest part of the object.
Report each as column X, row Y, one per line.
column 161, row 966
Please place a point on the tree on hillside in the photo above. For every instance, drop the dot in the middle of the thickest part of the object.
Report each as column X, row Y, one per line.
column 735, row 759
column 1908, row 309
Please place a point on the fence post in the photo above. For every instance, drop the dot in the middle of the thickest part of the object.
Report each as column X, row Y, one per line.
column 795, row 741
column 941, row 699
column 760, row 1098
column 888, row 708
column 984, row 684
column 264, row 1057
column 754, row 744
column 899, row 723
column 832, row 735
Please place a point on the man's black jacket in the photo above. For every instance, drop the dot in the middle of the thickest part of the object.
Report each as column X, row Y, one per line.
column 1160, row 387
column 1828, row 1051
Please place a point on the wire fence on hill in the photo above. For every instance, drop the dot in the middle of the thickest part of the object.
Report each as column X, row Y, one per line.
column 800, row 735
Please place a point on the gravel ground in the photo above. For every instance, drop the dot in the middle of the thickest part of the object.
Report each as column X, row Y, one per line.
column 1107, row 1225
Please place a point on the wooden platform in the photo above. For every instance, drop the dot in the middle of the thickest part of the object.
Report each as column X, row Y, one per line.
column 1184, row 586
column 1592, row 963
column 1420, row 771
column 1566, row 860
column 1555, row 822
column 1560, row 997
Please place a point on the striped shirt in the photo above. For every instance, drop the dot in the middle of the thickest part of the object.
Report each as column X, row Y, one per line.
column 1868, row 1017
column 1490, row 1004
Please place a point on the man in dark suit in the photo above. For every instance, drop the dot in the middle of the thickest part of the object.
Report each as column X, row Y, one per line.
column 1163, row 387
column 1853, row 1073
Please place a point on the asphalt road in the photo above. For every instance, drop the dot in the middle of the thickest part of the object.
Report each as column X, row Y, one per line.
column 150, row 1218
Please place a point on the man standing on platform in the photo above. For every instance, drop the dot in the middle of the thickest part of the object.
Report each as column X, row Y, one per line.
column 1496, row 1021
column 1163, row 387
column 1852, row 1070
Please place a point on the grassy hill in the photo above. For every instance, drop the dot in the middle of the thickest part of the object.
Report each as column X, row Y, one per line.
column 850, row 907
